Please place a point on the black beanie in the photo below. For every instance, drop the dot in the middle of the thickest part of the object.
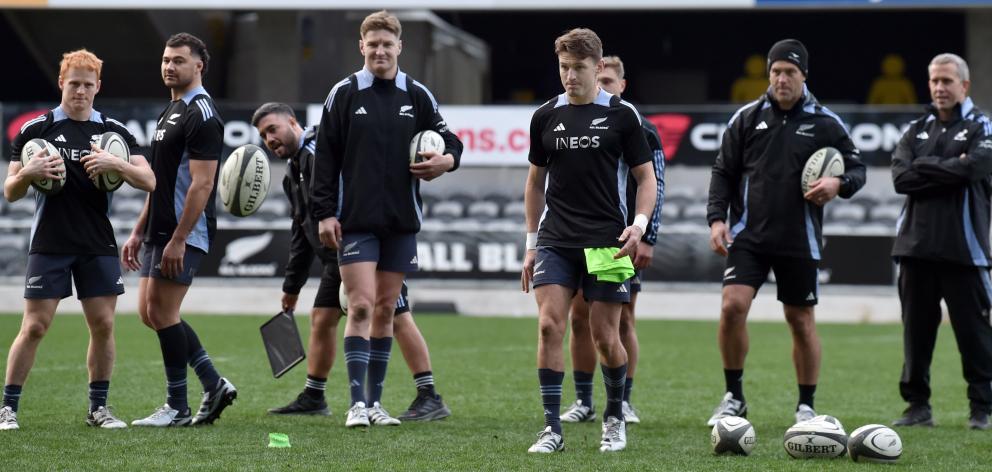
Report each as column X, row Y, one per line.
column 791, row 50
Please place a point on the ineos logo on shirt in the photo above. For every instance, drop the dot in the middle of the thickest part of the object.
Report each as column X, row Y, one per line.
column 577, row 142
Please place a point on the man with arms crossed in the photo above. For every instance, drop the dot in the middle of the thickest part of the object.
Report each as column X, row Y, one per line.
column 583, row 144
column 611, row 79
column 942, row 164
column 283, row 135
column 772, row 224
column 176, row 227
column 366, row 198
column 72, row 239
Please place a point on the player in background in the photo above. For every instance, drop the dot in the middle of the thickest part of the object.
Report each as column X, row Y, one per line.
column 283, row 135
column 72, row 239
column 760, row 220
column 366, row 198
column 176, row 228
column 942, row 164
column 583, row 350
column 584, row 143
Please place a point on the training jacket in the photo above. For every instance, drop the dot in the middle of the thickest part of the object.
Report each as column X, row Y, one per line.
column 304, row 243
column 362, row 162
column 946, row 214
column 757, row 175
column 654, row 219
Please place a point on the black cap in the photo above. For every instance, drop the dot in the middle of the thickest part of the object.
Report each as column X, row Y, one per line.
column 791, row 50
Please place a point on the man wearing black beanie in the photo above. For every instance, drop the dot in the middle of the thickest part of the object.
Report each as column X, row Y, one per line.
column 761, row 220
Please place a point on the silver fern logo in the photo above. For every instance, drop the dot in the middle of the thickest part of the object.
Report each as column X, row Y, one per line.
column 242, row 249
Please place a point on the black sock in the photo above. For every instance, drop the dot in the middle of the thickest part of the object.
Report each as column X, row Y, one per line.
column 735, row 382
column 583, row 386
column 98, row 394
column 425, row 383
column 11, row 396
column 614, row 378
column 379, row 349
column 199, row 360
column 551, row 397
column 356, row 357
column 172, row 340
column 315, row 387
column 627, row 388
column 806, row 394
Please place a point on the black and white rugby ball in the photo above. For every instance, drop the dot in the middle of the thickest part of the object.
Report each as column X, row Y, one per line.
column 244, row 180
column 874, row 443
column 825, row 162
column 428, row 140
column 829, row 419
column 732, row 435
column 115, row 145
column 32, row 149
column 815, row 439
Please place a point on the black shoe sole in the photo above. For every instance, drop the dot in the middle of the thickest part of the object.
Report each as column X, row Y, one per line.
column 320, row 412
column 215, row 415
column 439, row 414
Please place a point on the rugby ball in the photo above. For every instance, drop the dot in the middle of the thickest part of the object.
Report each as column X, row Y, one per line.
column 428, row 140
column 732, row 435
column 244, row 180
column 826, row 162
column 115, row 145
column 815, row 439
column 343, row 299
column 33, row 148
column 828, row 419
column 874, row 443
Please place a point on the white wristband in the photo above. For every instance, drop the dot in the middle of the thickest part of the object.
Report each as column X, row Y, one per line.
column 531, row 241
column 641, row 222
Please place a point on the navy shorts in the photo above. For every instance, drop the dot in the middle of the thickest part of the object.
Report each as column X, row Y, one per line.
column 635, row 281
column 151, row 263
column 392, row 253
column 48, row 276
column 567, row 267
column 796, row 277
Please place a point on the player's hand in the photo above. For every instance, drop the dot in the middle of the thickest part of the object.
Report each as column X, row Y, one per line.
column 527, row 274
column 100, row 162
column 329, row 231
column 172, row 258
column 642, row 259
column 129, row 253
column 630, row 238
column 433, row 166
column 720, row 238
column 289, row 301
column 823, row 190
column 43, row 166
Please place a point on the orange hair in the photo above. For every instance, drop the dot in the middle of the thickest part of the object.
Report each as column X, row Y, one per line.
column 82, row 59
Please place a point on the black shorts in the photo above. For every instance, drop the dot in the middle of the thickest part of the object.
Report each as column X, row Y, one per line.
column 635, row 281
column 48, row 276
column 151, row 263
column 796, row 277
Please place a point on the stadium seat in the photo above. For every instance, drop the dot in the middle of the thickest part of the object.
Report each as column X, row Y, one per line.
column 514, row 210
column 845, row 213
column 695, row 212
column 483, row 209
column 670, row 212
column 127, row 208
column 23, row 208
column 448, row 210
column 885, row 214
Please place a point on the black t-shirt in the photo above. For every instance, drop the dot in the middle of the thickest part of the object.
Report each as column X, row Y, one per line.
column 588, row 151
column 73, row 221
column 190, row 128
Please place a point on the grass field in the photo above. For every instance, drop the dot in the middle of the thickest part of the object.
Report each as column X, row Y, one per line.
column 485, row 369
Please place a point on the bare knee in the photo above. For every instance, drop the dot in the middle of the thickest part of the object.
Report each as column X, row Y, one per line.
column 550, row 328
column 324, row 320
column 34, row 330
column 102, row 328
column 734, row 310
column 801, row 321
column 579, row 322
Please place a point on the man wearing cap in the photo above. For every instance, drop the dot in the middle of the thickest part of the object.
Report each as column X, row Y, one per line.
column 760, row 219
